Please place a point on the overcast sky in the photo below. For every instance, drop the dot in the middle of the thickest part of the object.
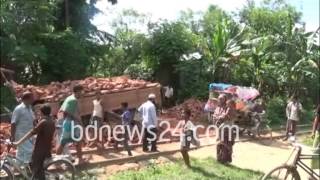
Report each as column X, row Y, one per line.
column 169, row 9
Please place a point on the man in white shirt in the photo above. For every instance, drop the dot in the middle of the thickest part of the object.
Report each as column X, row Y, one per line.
column 97, row 120
column 293, row 111
column 21, row 123
column 149, row 123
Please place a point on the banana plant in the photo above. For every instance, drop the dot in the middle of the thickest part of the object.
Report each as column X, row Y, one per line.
column 224, row 48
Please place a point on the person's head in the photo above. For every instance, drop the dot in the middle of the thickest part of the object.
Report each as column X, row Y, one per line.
column 213, row 102
column 98, row 95
column 45, row 110
column 222, row 99
column 124, row 105
column 152, row 97
column 186, row 113
column 231, row 104
column 27, row 98
column 294, row 98
column 77, row 91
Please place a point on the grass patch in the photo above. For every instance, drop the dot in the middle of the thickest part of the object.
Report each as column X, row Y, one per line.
column 307, row 140
column 202, row 169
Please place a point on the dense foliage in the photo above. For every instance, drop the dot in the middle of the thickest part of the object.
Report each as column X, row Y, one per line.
column 265, row 46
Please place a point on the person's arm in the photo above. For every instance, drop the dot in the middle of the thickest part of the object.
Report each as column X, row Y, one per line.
column 13, row 131
column 300, row 107
column 25, row 137
column 288, row 110
column 115, row 115
column 102, row 109
column 140, row 109
column 14, row 121
column 32, row 132
column 66, row 113
column 69, row 108
column 153, row 114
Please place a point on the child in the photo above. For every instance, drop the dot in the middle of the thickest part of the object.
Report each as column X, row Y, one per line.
column 188, row 137
column 225, row 145
column 126, row 123
column 126, row 119
column 42, row 149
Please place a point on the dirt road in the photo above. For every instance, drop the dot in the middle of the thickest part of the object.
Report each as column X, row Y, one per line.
column 247, row 155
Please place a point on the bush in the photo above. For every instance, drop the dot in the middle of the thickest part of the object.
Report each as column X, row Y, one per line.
column 307, row 116
column 192, row 82
column 139, row 71
column 275, row 110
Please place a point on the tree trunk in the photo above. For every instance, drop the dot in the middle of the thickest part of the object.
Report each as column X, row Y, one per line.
column 67, row 17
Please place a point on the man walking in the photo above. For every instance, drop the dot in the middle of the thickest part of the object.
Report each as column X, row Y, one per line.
column 71, row 113
column 21, row 123
column 149, row 123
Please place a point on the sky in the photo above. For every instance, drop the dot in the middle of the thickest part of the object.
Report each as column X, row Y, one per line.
column 169, row 9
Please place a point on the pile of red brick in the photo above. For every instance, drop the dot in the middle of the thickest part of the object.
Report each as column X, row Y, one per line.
column 57, row 91
column 196, row 106
column 5, row 131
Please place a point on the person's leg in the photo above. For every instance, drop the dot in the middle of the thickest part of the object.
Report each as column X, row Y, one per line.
column 79, row 150
column 185, row 156
column 125, row 141
column 62, row 146
column 99, row 142
column 288, row 129
column 229, row 143
column 145, row 139
column 154, row 142
column 91, row 143
column 37, row 168
column 294, row 127
column 185, row 146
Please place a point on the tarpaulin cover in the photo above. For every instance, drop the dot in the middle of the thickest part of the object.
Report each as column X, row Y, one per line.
column 244, row 93
column 219, row 86
column 247, row 93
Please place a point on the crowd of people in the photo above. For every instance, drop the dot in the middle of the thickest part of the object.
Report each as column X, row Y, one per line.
column 24, row 126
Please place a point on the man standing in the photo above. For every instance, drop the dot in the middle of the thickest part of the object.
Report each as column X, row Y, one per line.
column 149, row 123
column 42, row 149
column 71, row 113
column 293, row 111
column 21, row 123
column 97, row 120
